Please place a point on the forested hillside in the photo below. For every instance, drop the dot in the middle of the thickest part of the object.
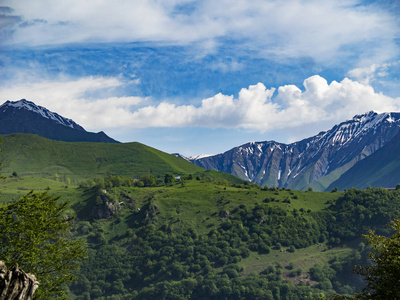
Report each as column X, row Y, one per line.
column 200, row 238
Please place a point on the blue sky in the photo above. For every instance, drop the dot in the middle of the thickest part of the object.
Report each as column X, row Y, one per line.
column 202, row 76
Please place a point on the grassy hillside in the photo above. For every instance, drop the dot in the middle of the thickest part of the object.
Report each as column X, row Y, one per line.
column 380, row 169
column 145, row 241
column 32, row 155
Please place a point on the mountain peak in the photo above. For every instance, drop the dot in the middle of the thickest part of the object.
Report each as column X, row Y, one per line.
column 24, row 116
column 44, row 112
column 375, row 117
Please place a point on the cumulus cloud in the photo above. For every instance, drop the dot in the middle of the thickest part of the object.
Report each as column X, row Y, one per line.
column 318, row 29
column 255, row 108
column 219, row 111
column 336, row 101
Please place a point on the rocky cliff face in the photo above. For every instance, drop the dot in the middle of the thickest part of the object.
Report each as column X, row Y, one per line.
column 316, row 161
column 16, row 284
column 105, row 210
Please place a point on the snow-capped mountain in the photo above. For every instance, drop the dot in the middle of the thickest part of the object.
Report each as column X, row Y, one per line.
column 26, row 117
column 44, row 112
column 316, row 161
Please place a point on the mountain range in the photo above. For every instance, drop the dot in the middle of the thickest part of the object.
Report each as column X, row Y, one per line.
column 316, row 162
column 26, row 117
column 359, row 152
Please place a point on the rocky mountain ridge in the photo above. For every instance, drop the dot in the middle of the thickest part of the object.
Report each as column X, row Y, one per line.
column 316, row 161
column 24, row 116
column 44, row 112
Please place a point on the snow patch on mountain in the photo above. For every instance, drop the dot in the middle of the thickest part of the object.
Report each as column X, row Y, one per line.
column 298, row 164
column 259, row 146
column 44, row 112
column 200, row 156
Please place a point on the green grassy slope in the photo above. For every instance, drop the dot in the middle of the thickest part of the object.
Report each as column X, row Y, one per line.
column 32, row 155
column 381, row 169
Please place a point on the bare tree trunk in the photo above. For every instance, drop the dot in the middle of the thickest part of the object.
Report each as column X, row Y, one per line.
column 16, row 284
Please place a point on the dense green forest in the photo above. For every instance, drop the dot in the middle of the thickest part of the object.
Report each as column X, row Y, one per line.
column 201, row 238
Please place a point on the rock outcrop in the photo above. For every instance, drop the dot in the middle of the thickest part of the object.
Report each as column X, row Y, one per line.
column 105, row 210
column 15, row 284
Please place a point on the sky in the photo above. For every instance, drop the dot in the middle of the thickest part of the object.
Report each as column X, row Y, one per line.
column 201, row 77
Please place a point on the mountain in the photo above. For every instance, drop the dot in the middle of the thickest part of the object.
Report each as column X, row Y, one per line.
column 380, row 169
column 26, row 117
column 316, row 161
column 35, row 156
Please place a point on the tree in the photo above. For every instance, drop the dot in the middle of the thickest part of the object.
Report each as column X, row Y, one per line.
column 148, row 180
column 169, row 178
column 383, row 277
column 34, row 233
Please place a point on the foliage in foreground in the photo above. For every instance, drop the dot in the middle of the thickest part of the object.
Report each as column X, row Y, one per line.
column 383, row 276
column 34, row 233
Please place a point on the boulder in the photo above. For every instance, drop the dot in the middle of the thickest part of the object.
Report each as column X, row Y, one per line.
column 15, row 284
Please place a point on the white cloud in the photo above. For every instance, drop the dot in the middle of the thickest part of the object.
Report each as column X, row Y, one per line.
column 256, row 108
column 318, row 29
column 227, row 66
column 70, row 98
column 375, row 73
column 335, row 101
column 368, row 74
